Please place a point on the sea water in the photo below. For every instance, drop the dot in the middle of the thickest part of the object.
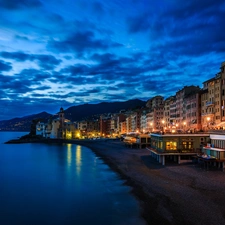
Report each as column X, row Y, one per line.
column 59, row 185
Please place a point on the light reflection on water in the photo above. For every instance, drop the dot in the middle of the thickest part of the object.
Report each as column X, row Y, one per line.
column 69, row 154
column 78, row 159
column 61, row 184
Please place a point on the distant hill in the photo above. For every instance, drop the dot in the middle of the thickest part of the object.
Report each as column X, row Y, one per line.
column 77, row 113
column 23, row 123
column 74, row 113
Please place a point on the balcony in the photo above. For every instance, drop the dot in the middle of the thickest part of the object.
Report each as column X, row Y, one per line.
column 207, row 104
column 208, row 114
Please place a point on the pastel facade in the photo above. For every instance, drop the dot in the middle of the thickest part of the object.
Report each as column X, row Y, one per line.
column 217, row 146
column 56, row 128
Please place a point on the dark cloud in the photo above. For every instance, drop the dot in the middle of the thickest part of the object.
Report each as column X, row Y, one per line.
column 139, row 23
column 181, row 28
column 18, row 56
column 81, row 42
column 47, row 62
column 5, row 66
column 33, row 76
column 15, row 4
column 98, row 8
column 93, row 51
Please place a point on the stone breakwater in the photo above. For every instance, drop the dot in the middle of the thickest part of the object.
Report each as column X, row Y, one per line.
column 174, row 194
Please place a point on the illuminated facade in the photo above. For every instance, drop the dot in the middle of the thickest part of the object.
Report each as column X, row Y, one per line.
column 57, row 128
column 177, row 147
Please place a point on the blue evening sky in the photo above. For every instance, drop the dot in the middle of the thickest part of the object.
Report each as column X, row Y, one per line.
column 57, row 53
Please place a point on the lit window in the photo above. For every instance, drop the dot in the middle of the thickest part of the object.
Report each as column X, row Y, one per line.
column 171, row 145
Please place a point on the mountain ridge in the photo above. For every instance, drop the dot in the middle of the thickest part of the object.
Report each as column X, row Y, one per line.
column 73, row 113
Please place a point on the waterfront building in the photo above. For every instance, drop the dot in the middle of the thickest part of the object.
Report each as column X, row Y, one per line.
column 149, row 120
column 143, row 121
column 211, row 102
column 180, row 104
column 123, row 127
column 113, row 124
column 155, row 115
column 154, row 102
column 158, row 121
column 40, row 128
column 192, row 103
column 173, row 112
column 177, row 147
column 56, row 128
column 216, row 147
column 128, row 124
column 136, row 120
column 222, row 71
column 105, row 125
column 167, row 113
column 121, row 123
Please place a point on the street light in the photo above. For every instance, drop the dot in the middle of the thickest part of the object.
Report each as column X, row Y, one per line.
column 184, row 124
column 163, row 124
column 151, row 126
column 208, row 119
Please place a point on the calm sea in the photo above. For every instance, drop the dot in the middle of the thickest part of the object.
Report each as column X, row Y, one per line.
column 60, row 184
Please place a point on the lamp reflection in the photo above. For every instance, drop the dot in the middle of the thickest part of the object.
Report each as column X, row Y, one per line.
column 78, row 159
column 69, row 154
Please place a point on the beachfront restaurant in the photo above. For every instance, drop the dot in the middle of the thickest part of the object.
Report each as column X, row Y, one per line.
column 178, row 148
column 214, row 152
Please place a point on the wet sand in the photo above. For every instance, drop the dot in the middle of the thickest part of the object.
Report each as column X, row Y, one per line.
column 171, row 194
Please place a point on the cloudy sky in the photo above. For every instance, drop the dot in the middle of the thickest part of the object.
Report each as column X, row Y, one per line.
column 57, row 53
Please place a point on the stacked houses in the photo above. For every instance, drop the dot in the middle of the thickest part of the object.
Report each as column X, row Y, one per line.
column 191, row 109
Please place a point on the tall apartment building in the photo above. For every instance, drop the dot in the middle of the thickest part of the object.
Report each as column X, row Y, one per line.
column 154, row 102
column 128, row 124
column 222, row 71
column 155, row 116
column 217, row 99
column 121, row 119
column 211, row 102
column 143, row 121
column 105, row 125
column 136, row 120
column 180, row 105
column 167, row 117
column 173, row 111
column 150, row 126
column 192, row 102
column 123, row 127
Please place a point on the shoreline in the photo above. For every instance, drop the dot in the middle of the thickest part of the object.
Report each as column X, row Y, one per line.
column 172, row 194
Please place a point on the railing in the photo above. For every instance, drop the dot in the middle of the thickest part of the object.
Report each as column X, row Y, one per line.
column 209, row 103
column 216, row 131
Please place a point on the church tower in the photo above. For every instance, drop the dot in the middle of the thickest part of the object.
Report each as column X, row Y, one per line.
column 61, row 123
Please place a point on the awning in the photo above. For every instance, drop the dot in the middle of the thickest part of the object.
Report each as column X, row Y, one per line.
column 222, row 124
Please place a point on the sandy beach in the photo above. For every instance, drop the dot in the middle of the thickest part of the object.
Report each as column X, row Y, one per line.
column 172, row 194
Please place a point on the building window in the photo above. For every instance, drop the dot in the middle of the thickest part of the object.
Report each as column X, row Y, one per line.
column 187, row 145
column 171, row 145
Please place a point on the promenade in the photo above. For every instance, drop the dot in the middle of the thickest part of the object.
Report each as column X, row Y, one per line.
column 171, row 194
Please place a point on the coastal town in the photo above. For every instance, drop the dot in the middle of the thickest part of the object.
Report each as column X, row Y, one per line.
column 181, row 127
column 171, row 152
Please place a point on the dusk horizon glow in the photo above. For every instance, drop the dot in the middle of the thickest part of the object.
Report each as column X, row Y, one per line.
column 66, row 53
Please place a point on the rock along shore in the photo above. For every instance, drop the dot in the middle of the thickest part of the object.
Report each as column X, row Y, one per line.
column 172, row 194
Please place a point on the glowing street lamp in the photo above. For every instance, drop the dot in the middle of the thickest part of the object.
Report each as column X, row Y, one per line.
column 163, row 124
column 184, row 124
column 208, row 119
column 151, row 126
